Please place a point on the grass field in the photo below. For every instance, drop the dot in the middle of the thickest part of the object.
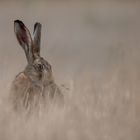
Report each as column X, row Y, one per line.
column 94, row 49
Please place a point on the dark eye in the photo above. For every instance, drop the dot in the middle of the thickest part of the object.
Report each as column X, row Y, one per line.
column 40, row 66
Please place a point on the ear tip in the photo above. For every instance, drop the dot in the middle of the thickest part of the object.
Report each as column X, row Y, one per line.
column 19, row 22
column 37, row 24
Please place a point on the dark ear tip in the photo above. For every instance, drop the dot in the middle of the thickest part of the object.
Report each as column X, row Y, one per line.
column 19, row 22
column 37, row 24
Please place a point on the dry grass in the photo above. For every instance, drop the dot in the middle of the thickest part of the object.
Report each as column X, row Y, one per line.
column 94, row 50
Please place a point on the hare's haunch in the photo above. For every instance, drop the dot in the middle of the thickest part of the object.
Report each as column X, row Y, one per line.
column 35, row 85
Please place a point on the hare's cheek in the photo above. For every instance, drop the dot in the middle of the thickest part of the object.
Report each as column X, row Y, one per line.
column 39, row 76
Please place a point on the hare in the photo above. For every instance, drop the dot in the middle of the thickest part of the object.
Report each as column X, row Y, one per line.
column 35, row 84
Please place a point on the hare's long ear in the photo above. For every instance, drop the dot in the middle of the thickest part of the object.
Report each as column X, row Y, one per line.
column 24, row 39
column 37, row 39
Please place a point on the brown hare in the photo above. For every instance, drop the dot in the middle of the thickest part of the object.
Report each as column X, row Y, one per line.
column 35, row 85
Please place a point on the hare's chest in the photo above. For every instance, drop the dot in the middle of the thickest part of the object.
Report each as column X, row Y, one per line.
column 33, row 97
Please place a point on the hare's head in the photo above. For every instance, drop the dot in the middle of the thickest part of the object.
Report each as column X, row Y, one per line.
column 38, row 69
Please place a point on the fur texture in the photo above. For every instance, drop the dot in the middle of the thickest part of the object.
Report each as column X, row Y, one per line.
column 35, row 86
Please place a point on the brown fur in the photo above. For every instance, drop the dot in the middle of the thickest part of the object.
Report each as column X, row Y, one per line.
column 35, row 86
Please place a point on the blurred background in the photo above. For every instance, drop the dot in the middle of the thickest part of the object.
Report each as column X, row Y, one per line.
column 94, row 50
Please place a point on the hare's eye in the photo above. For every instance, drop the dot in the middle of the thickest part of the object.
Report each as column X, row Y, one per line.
column 40, row 67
